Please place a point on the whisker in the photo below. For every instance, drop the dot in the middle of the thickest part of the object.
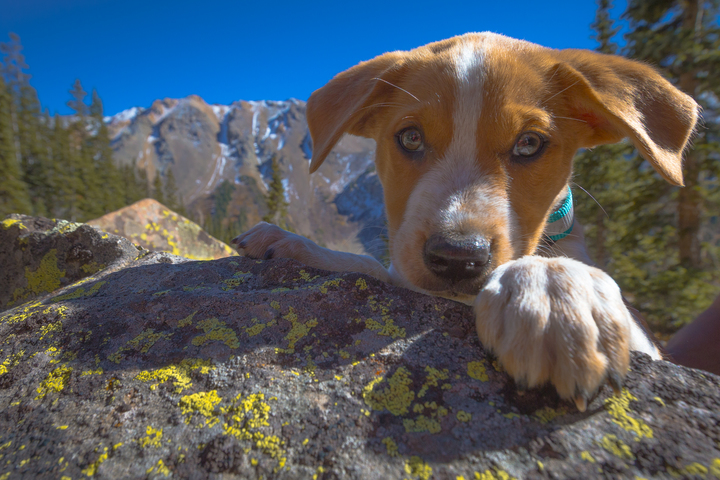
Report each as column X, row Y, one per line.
column 561, row 91
column 576, row 119
column 380, row 105
column 399, row 88
column 594, row 199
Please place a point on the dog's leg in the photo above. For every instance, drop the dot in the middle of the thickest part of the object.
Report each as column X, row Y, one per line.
column 558, row 320
column 266, row 241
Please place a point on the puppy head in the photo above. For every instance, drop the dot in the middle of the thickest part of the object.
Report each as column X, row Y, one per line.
column 475, row 138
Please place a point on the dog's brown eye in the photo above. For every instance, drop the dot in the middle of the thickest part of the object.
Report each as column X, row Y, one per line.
column 411, row 140
column 529, row 144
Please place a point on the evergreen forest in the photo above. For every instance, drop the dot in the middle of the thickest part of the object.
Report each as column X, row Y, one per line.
column 660, row 243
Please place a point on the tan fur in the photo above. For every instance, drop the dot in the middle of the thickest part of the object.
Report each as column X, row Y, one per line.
column 471, row 97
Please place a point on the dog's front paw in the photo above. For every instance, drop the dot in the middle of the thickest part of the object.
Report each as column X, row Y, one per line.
column 556, row 320
column 266, row 241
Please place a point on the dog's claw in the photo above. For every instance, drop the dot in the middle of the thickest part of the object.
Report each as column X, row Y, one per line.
column 615, row 381
column 268, row 254
column 581, row 402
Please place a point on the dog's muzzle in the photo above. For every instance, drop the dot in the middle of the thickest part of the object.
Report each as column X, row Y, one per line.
column 456, row 258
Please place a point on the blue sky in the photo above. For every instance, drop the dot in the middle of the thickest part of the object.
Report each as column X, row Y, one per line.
column 134, row 52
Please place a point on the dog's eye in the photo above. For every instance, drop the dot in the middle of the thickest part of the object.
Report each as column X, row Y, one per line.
column 411, row 140
column 528, row 145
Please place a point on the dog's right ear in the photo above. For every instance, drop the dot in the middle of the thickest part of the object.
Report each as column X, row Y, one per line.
column 340, row 106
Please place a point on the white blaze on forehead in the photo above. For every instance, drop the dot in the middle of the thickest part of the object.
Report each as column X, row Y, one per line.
column 469, row 59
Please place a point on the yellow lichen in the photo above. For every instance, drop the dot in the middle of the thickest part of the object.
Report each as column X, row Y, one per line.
column 202, row 403
column 152, row 438
column 617, row 447
column 92, row 469
column 422, row 424
column 618, row 407
column 416, row 467
column 490, row 475
column 11, row 362
column 55, row 380
column 330, row 283
column 433, row 376
column 45, row 278
column 179, row 374
column 585, row 455
column 247, row 416
column 9, row 222
column 215, row 330
column 477, row 371
column 388, row 329
column 391, row 446
column 396, row 398
column 50, row 329
column 159, row 468
column 361, row 284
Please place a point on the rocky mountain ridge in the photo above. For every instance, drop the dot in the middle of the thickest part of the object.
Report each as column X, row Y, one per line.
column 221, row 157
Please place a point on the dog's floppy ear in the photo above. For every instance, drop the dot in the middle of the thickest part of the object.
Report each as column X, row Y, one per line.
column 620, row 98
column 339, row 107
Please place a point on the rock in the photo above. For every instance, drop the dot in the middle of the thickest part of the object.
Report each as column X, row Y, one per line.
column 153, row 226
column 246, row 369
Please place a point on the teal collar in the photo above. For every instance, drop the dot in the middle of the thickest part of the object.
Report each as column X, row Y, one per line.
column 560, row 222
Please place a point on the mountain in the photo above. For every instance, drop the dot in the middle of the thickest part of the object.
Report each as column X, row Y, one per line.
column 153, row 226
column 221, row 158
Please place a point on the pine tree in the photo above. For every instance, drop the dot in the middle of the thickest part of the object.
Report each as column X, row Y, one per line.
column 14, row 197
column 29, row 138
column 170, row 190
column 604, row 169
column 275, row 199
column 682, row 38
column 158, row 193
column 113, row 188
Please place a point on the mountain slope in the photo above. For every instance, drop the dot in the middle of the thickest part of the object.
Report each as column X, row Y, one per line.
column 221, row 157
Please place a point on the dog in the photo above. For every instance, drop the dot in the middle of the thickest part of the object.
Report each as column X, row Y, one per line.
column 475, row 140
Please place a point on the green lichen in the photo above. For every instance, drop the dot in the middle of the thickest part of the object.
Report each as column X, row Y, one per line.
column 187, row 320
column 258, row 327
column 416, row 467
column 297, row 331
column 547, row 414
column 391, row 446
column 142, row 343
column 215, row 330
column 617, row 447
column 46, row 278
column 80, row 292
column 477, row 371
column 463, row 416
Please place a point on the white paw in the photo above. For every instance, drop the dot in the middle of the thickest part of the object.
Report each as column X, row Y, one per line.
column 556, row 320
column 266, row 241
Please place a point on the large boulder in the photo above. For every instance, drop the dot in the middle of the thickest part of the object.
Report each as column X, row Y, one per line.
column 236, row 368
column 153, row 226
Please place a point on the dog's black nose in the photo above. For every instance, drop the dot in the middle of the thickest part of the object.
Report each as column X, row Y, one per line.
column 457, row 257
